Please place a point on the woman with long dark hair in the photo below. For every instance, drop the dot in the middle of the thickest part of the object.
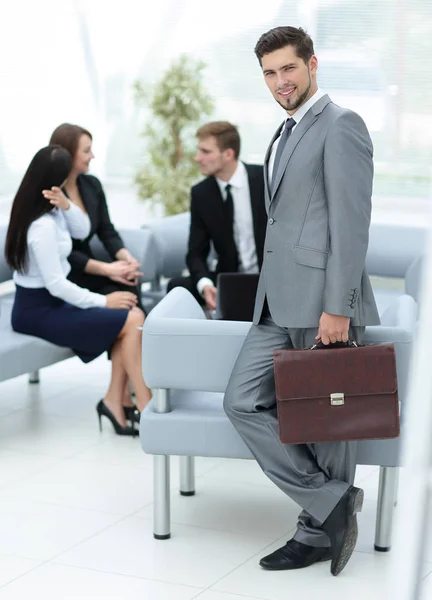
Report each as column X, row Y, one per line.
column 48, row 305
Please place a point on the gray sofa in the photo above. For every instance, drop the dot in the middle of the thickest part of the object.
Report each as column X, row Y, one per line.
column 394, row 257
column 20, row 354
column 188, row 359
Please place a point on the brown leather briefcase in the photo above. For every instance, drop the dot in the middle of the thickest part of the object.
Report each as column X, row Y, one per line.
column 338, row 393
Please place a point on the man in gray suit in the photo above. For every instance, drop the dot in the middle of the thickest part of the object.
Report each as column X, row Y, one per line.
column 313, row 286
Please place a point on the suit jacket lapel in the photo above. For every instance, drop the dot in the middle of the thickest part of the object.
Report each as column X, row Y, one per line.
column 215, row 191
column 306, row 122
column 266, row 161
column 223, row 239
column 256, row 200
column 215, row 203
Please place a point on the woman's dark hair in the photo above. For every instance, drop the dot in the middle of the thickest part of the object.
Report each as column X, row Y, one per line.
column 279, row 37
column 67, row 136
column 49, row 167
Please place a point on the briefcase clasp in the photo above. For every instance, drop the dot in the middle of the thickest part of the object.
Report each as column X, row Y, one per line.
column 337, row 399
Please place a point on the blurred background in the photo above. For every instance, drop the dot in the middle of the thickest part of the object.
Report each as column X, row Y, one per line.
column 77, row 60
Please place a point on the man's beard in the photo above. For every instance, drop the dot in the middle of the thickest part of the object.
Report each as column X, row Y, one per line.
column 296, row 103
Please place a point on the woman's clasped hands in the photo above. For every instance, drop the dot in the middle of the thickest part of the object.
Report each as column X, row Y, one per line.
column 123, row 271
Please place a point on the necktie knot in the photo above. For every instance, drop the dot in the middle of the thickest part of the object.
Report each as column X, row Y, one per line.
column 289, row 124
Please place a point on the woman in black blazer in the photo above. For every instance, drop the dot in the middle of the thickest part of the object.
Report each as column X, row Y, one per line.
column 86, row 192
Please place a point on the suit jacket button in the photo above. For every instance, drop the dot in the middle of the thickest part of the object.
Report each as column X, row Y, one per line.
column 271, row 220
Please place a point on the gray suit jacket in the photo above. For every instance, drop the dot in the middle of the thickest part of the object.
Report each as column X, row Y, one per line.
column 318, row 222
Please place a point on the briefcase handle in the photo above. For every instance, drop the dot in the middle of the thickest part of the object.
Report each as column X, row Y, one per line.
column 351, row 343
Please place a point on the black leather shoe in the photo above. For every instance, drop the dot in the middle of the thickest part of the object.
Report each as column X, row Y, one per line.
column 341, row 528
column 294, row 555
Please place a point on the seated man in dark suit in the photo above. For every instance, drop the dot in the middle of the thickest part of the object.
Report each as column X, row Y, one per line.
column 227, row 210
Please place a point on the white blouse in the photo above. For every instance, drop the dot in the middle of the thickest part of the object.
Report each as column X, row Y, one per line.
column 49, row 244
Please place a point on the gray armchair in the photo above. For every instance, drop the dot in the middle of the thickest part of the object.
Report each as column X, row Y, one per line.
column 186, row 416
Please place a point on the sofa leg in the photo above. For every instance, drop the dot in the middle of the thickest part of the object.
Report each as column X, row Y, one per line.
column 386, row 498
column 34, row 377
column 396, row 485
column 161, row 497
column 187, row 475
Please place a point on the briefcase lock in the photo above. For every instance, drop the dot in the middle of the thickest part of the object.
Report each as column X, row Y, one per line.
column 337, row 399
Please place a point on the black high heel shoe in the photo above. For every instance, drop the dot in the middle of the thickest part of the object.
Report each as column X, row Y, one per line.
column 132, row 414
column 103, row 410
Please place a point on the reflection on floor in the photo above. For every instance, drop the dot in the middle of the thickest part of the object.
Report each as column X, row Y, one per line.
column 76, row 510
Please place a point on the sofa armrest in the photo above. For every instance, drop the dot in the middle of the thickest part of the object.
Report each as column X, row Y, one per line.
column 184, row 350
column 414, row 276
column 401, row 313
column 5, row 270
column 399, row 328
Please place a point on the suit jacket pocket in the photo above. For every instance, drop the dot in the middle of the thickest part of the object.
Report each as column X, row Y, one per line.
column 310, row 257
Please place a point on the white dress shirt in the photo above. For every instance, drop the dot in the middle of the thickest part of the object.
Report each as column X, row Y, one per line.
column 49, row 244
column 243, row 223
column 297, row 116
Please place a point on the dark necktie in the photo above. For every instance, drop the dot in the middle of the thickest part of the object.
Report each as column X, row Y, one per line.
column 229, row 217
column 229, row 208
column 281, row 146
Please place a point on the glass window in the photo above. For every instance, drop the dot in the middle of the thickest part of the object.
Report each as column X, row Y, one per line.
column 76, row 61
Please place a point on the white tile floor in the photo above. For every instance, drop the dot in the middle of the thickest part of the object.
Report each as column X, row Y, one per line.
column 76, row 510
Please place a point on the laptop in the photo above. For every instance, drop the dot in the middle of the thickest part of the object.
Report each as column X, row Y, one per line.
column 236, row 293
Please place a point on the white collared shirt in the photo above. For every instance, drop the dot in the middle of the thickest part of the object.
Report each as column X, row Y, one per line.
column 49, row 244
column 297, row 116
column 243, row 223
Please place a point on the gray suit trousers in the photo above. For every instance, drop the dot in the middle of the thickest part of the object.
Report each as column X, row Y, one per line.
column 315, row 476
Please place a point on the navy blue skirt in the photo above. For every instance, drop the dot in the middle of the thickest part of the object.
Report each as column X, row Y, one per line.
column 87, row 331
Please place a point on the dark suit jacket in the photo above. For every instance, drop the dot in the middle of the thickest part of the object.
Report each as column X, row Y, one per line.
column 207, row 225
column 93, row 196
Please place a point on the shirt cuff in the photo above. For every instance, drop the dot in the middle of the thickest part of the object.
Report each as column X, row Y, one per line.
column 202, row 283
column 101, row 300
column 71, row 206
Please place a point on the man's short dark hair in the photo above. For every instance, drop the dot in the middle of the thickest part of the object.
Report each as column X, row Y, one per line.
column 279, row 37
column 226, row 134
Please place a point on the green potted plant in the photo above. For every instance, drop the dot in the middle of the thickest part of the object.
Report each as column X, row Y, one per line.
column 178, row 103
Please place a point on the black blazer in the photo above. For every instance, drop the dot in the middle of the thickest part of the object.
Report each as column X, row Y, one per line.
column 93, row 196
column 207, row 225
